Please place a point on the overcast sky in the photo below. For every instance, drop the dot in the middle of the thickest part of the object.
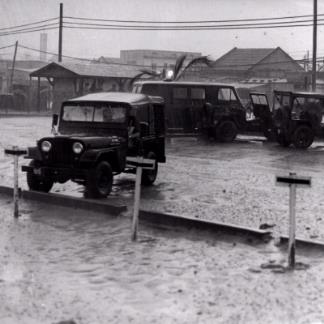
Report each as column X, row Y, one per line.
column 94, row 43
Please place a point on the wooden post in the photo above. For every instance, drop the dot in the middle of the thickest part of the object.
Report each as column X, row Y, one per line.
column 292, row 223
column 38, row 94
column 16, row 193
column 13, row 68
column 137, row 199
column 314, row 46
column 16, row 152
column 60, row 41
column 292, row 181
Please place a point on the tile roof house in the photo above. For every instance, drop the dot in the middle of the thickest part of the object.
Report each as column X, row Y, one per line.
column 257, row 62
column 245, row 63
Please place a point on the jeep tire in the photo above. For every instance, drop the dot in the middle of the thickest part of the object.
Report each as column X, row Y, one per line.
column 36, row 182
column 226, row 132
column 99, row 181
column 149, row 176
column 303, row 137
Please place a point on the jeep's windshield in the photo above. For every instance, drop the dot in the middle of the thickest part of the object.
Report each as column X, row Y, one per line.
column 105, row 113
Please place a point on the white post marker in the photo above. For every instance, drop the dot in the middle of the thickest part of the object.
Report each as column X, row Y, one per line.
column 140, row 163
column 292, row 181
column 16, row 152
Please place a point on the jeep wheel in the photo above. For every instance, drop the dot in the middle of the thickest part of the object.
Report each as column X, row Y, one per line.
column 226, row 131
column 283, row 140
column 99, row 181
column 149, row 176
column 303, row 137
column 36, row 182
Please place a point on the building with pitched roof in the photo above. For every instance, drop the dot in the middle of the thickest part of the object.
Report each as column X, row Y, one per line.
column 70, row 80
column 257, row 62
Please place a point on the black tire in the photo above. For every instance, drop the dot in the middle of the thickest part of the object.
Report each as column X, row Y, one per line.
column 303, row 137
column 149, row 176
column 36, row 182
column 99, row 181
column 283, row 140
column 226, row 132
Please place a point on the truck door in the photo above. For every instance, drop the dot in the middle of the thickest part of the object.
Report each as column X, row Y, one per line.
column 260, row 106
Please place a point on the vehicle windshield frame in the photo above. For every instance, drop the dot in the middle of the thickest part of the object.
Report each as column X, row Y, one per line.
column 94, row 107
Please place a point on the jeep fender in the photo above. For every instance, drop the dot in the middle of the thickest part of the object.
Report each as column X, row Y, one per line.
column 113, row 156
column 33, row 153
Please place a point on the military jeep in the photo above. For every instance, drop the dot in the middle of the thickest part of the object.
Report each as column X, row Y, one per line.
column 92, row 137
column 297, row 117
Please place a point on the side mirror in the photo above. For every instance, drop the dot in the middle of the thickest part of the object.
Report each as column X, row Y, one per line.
column 55, row 120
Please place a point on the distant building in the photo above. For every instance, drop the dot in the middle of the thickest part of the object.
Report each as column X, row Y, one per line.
column 71, row 80
column 154, row 59
column 22, row 87
column 257, row 62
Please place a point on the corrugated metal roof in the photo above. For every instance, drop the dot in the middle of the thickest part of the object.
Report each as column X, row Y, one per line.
column 89, row 70
column 242, row 58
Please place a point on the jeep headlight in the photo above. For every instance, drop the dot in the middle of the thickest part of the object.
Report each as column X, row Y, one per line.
column 46, row 146
column 77, row 147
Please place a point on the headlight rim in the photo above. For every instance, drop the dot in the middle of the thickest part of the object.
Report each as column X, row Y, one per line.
column 77, row 151
column 44, row 148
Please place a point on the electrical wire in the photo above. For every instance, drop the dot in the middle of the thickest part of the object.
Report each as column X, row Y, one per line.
column 30, row 30
column 188, row 26
column 185, row 29
column 7, row 46
column 190, row 21
column 318, row 59
column 24, row 25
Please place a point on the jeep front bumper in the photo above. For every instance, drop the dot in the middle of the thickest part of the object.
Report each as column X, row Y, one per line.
column 55, row 173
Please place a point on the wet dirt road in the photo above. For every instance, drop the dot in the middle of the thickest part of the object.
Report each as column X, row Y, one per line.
column 233, row 183
column 57, row 263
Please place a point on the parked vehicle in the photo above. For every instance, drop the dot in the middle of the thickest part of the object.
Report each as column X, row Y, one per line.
column 95, row 133
column 298, row 117
column 213, row 108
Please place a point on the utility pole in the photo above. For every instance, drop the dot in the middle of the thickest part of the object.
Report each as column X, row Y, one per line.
column 13, row 68
column 60, row 34
column 314, row 46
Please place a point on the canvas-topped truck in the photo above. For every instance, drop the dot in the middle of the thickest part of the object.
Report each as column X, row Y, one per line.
column 93, row 136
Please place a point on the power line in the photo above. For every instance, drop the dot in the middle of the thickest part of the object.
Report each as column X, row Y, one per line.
column 33, row 23
column 195, row 27
column 186, row 29
column 31, row 30
column 319, row 59
column 189, row 21
column 7, row 46
column 83, row 59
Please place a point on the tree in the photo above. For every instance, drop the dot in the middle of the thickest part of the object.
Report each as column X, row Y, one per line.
column 177, row 71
